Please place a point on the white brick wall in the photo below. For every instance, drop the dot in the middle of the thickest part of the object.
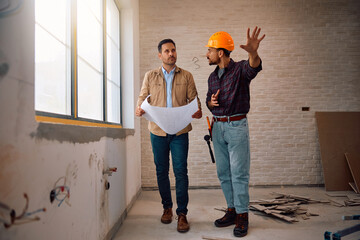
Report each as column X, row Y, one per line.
column 311, row 57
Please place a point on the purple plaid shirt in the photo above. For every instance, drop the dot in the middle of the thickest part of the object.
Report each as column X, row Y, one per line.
column 234, row 85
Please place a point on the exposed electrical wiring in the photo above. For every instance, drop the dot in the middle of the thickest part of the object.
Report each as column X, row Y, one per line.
column 23, row 217
column 6, row 213
column 59, row 194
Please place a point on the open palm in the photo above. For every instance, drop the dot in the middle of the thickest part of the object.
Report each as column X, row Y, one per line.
column 253, row 42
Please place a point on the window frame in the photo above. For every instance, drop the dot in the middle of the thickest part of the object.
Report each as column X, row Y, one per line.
column 74, row 119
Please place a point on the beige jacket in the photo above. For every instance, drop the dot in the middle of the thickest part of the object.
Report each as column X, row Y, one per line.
column 183, row 92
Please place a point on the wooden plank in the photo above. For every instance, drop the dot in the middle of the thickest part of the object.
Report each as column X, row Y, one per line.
column 339, row 132
column 337, row 203
column 287, row 208
column 286, row 218
column 337, row 194
column 214, row 238
column 259, row 207
column 305, row 217
column 354, row 187
column 297, row 197
column 311, row 214
column 353, row 160
column 221, row 209
column 271, row 201
column 353, row 197
column 351, row 203
column 293, row 197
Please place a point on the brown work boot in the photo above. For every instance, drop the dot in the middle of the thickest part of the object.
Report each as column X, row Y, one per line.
column 242, row 223
column 183, row 225
column 228, row 219
column 167, row 216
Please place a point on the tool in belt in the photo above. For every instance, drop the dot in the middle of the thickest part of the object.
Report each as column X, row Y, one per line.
column 207, row 138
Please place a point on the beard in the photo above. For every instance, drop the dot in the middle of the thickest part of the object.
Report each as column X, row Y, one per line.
column 171, row 60
column 211, row 62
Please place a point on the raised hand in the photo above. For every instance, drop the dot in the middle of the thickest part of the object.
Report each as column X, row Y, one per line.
column 253, row 42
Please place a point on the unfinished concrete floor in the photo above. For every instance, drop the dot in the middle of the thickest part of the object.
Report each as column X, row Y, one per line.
column 143, row 219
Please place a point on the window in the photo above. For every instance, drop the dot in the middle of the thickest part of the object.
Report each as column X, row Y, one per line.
column 52, row 57
column 77, row 60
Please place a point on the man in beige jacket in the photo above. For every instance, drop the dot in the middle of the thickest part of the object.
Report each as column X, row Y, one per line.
column 170, row 86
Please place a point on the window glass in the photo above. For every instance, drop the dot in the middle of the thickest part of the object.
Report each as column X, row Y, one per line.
column 113, row 62
column 89, row 96
column 113, row 98
column 90, row 59
column 52, row 56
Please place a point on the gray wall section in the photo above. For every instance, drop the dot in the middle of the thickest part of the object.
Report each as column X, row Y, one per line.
column 78, row 134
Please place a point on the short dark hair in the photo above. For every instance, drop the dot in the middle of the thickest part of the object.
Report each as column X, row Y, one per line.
column 226, row 52
column 168, row 40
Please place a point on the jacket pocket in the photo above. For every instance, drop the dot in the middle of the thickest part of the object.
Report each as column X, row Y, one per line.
column 157, row 91
column 180, row 90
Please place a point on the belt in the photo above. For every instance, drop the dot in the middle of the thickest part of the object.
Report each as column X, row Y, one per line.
column 229, row 119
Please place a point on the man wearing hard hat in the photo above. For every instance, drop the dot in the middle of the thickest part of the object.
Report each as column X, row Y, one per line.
column 228, row 99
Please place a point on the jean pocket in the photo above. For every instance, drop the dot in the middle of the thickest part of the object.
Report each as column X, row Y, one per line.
column 239, row 124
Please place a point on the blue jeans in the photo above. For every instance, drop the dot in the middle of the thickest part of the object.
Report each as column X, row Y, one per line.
column 179, row 146
column 232, row 154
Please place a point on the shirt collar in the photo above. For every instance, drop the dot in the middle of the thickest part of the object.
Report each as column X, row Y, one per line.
column 231, row 64
column 166, row 73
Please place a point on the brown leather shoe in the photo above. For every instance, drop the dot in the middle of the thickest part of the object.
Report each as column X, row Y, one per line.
column 183, row 225
column 167, row 216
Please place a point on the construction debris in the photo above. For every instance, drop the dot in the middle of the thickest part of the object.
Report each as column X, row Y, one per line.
column 285, row 207
column 352, row 202
column 214, row 238
column 346, row 200
column 290, row 207
column 337, row 203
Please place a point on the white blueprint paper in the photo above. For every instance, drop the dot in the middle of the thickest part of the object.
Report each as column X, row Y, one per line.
column 171, row 120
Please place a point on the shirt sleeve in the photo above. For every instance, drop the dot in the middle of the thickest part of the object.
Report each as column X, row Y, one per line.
column 249, row 72
column 191, row 90
column 144, row 92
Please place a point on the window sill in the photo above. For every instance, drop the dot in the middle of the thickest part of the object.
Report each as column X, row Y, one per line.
column 77, row 122
column 77, row 131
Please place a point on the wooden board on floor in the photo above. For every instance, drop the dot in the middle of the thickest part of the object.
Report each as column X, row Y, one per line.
column 353, row 160
column 339, row 133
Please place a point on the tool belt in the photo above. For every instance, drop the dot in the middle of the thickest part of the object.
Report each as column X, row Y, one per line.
column 229, row 119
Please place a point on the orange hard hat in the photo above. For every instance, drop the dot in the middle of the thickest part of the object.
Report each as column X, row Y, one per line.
column 221, row 40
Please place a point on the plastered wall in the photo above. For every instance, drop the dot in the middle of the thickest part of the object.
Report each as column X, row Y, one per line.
column 36, row 157
column 311, row 58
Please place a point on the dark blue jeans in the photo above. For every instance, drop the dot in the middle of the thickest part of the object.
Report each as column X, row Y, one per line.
column 178, row 146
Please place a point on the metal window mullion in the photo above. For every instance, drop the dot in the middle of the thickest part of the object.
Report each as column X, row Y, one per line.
column 74, row 69
column 105, row 108
column 120, row 85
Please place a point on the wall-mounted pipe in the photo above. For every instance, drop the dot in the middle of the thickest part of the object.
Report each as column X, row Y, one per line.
column 110, row 171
